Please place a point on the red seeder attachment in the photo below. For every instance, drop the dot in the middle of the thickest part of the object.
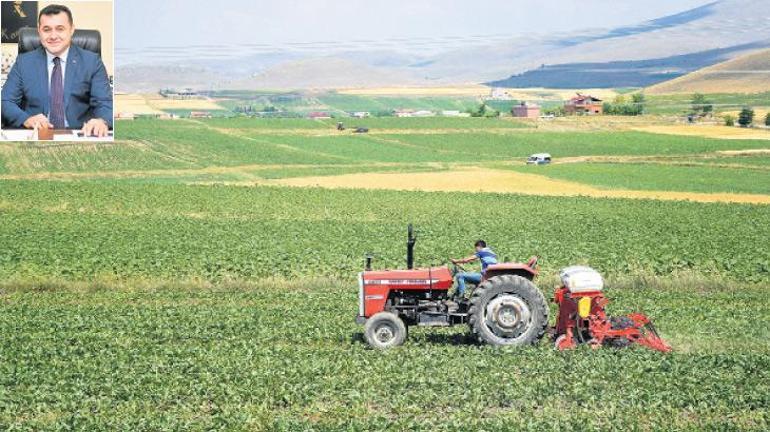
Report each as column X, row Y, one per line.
column 582, row 319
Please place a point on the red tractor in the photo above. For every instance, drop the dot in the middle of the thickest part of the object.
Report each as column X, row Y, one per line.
column 505, row 309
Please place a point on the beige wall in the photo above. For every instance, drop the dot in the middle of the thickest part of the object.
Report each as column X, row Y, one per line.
column 88, row 15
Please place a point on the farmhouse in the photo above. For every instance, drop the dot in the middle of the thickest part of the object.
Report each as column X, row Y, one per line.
column 361, row 114
column 583, row 105
column 526, row 110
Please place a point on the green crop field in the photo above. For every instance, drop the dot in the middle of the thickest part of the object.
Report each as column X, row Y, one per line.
column 287, row 356
column 565, row 144
column 167, row 281
column 651, row 176
column 84, row 230
column 173, row 145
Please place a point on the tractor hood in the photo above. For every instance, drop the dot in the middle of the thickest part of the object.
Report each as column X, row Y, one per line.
column 421, row 278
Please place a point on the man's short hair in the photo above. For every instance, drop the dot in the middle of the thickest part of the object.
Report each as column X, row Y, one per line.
column 480, row 243
column 55, row 9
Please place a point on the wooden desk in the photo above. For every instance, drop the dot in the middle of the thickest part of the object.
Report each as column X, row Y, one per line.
column 58, row 135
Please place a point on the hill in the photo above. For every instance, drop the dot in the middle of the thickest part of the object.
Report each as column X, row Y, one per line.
column 595, row 55
column 632, row 73
column 749, row 73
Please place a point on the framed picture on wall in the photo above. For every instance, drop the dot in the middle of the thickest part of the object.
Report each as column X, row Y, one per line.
column 16, row 16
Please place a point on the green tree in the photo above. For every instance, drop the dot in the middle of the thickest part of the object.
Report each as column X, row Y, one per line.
column 608, row 108
column 478, row 112
column 729, row 120
column 620, row 105
column 638, row 100
column 767, row 119
column 555, row 111
column 746, row 117
column 700, row 105
column 483, row 110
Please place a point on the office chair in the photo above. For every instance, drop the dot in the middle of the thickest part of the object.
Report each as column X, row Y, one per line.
column 90, row 40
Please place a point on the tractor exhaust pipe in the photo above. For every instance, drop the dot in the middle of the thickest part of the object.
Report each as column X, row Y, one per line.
column 410, row 240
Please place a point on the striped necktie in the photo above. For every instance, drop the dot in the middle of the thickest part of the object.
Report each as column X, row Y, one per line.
column 57, row 95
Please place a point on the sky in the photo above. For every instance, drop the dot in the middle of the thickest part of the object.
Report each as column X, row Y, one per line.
column 150, row 29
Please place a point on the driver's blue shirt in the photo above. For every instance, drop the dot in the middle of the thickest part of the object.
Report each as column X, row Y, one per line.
column 487, row 257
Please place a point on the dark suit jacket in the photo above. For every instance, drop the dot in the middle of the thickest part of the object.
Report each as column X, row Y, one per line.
column 87, row 92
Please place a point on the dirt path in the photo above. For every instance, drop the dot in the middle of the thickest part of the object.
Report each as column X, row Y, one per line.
column 487, row 180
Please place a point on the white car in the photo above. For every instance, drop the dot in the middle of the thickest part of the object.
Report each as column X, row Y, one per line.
column 539, row 159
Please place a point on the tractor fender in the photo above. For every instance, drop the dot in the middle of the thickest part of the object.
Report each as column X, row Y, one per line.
column 515, row 269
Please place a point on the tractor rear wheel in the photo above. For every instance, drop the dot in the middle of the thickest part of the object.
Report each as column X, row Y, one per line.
column 508, row 310
column 384, row 330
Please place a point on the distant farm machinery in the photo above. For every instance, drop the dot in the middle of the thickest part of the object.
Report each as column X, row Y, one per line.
column 505, row 309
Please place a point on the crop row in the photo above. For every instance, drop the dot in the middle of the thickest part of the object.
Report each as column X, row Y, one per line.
column 78, row 230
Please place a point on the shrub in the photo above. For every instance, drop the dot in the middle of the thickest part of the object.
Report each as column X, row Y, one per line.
column 746, row 117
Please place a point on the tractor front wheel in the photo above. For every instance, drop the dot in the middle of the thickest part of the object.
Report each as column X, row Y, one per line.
column 508, row 310
column 384, row 330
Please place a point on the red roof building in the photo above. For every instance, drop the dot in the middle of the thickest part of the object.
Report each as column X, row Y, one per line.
column 526, row 110
column 583, row 105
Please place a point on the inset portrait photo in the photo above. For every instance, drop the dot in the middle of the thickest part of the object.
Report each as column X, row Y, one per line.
column 57, row 70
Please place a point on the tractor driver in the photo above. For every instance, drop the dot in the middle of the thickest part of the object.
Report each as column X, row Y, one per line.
column 483, row 254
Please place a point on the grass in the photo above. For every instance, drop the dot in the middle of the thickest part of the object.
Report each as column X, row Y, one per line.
column 650, row 176
column 283, row 355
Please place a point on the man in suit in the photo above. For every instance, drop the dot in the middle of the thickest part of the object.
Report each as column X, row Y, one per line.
column 58, row 85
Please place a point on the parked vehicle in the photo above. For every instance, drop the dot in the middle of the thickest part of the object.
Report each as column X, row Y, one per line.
column 539, row 159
